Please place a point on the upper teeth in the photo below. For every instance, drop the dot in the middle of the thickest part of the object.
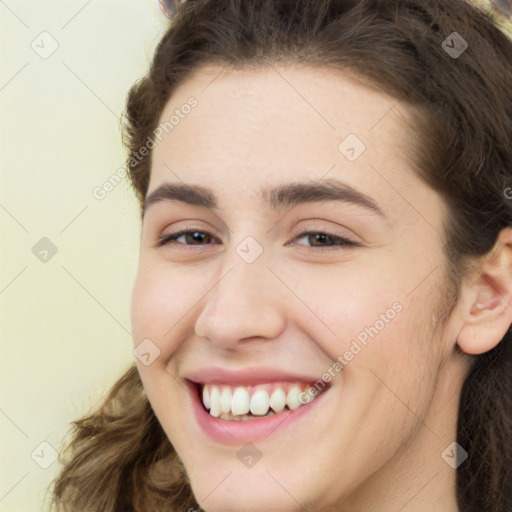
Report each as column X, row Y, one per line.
column 223, row 399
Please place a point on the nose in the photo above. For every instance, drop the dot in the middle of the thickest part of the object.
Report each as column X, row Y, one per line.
column 245, row 304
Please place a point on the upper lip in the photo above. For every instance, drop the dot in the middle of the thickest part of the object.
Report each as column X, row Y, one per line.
column 247, row 376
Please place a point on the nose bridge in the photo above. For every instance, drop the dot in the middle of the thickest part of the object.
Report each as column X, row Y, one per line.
column 242, row 302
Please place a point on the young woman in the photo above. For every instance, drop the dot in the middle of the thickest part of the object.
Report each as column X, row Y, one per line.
column 321, row 313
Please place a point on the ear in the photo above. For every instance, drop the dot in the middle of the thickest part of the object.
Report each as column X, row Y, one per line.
column 487, row 299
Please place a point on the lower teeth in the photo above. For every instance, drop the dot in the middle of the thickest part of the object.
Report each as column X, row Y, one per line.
column 243, row 417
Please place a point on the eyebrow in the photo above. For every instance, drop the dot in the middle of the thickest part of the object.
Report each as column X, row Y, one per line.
column 276, row 197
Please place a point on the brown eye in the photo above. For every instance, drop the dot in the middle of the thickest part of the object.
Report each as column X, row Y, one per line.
column 325, row 240
column 191, row 237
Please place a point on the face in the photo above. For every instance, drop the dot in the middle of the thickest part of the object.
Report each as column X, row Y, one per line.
column 304, row 293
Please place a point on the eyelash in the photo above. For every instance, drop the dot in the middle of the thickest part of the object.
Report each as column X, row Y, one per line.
column 344, row 242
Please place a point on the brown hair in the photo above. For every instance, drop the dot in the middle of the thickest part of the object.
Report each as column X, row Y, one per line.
column 119, row 458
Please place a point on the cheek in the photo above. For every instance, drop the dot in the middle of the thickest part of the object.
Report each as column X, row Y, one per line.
column 379, row 333
column 388, row 336
column 162, row 299
column 350, row 309
column 371, row 310
column 395, row 366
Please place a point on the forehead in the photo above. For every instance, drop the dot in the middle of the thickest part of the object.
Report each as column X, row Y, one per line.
column 298, row 109
column 251, row 128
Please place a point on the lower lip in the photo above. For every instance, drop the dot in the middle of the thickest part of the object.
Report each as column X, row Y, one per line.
column 238, row 432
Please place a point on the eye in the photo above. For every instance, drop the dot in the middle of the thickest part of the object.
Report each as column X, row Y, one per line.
column 322, row 238
column 197, row 237
column 190, row 235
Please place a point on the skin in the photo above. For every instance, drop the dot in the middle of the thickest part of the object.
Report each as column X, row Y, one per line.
column 375, row 443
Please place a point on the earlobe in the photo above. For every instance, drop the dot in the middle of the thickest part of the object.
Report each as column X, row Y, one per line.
column 487, row 300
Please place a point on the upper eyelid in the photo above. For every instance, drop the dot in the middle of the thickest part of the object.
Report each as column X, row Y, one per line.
column 327, row 231
column 294, row 221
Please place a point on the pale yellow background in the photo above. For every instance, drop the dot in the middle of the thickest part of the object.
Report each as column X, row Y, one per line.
column 65, row 326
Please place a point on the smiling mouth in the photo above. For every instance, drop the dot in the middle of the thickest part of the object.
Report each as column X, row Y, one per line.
column 250, row 403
